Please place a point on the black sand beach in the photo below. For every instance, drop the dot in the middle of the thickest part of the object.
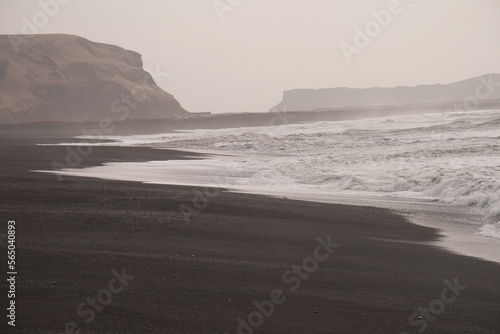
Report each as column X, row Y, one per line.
column 200, row 275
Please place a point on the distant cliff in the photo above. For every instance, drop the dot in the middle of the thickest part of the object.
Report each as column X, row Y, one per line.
column 469, row 91
column 68, row 78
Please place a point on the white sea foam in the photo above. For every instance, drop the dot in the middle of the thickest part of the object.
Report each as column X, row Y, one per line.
column 445, row 157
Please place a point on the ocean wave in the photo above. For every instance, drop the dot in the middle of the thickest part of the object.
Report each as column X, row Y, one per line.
column 451, row 157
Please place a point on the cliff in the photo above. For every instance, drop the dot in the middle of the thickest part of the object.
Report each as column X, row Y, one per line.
column 68, row 78
column 469, row 91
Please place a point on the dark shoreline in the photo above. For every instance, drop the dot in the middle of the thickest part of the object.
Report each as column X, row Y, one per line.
column 52, row 129
column 200, row 277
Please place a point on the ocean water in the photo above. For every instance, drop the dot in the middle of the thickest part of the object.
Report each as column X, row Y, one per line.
column 450, row 160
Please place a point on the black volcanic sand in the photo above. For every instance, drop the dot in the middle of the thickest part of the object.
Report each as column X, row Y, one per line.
column 199, row 275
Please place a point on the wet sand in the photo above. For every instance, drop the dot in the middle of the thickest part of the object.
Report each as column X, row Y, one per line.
column 202, row 271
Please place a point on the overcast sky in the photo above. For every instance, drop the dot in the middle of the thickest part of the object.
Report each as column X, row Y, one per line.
column 240, row 55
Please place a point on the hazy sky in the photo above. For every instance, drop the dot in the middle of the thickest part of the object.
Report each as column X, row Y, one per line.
column 244, row 54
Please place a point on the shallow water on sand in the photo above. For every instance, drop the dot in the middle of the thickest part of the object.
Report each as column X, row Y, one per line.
column 460, row 226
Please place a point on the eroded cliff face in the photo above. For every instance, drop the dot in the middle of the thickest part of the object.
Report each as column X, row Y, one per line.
column 481, row 88
column 68, row 78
